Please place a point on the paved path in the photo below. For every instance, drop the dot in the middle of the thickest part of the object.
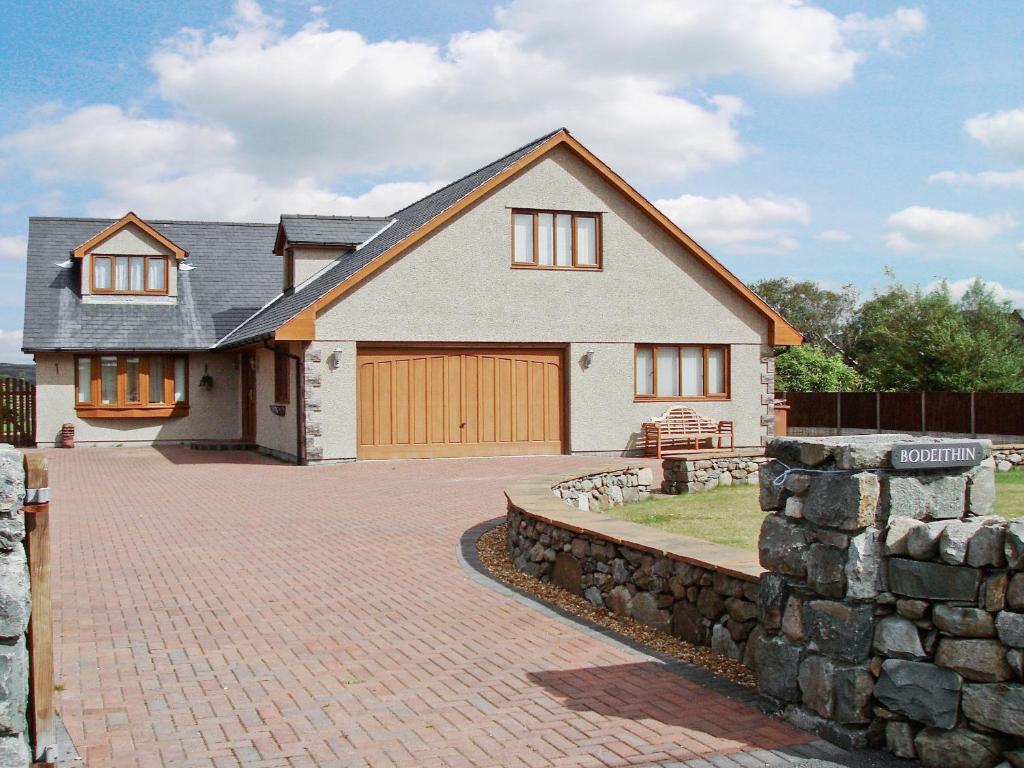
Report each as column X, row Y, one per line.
column 224, row 610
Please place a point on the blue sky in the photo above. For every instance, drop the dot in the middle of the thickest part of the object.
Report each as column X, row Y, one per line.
column 813, row 140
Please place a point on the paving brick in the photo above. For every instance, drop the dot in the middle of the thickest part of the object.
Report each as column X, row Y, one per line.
column 221, row 609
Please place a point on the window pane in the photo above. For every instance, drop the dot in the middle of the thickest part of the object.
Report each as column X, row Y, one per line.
column 179, row 380
column 644, row 371
column 132, row 367
column 85, row 379
column 121, row 273
column 586, row 240
column 693, row 371
column 155, row 276
column 563, row 240
column 716, row 371
column 138, row 271
column 101, row 274
column 545, row 239
column 524, row 238
column 108, row 380
column 156, row 379
column 668, row 372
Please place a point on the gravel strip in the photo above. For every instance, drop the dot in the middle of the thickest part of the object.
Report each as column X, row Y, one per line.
column 494, row 555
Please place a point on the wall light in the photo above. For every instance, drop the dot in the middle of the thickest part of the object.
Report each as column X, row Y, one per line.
column 336, row 358
column 587, row 359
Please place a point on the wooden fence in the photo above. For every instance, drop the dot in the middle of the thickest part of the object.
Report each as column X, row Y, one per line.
column 17, row 412
column 967, row 413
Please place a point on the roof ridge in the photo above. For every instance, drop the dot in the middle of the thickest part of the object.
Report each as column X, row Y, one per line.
column 193, row 222
column 538, row 140
column 333, row 217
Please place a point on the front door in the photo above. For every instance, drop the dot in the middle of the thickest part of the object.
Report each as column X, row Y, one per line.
column 248, row 397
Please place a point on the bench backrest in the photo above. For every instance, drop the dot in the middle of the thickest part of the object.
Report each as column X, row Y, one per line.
column 683, row 419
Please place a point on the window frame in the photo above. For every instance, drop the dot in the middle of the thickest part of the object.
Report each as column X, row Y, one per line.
column 146, row 290
column 282, row 388
column 598, row 264
column 705, row 349
column 142, row 408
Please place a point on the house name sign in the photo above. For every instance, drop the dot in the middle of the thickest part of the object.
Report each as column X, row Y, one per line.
column 937, row 455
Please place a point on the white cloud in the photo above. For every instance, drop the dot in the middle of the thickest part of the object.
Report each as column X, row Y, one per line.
column 958, row 288
column 983, row 179
column 13, row 247
column 10, row 348
column 737, row 224
column 918, row 227
column 887, row 32
column 833, row 236
column 1002, row 132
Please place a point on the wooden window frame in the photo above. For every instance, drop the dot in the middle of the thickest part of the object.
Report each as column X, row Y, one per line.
column 146, row 290
column 282, row 394
column 574, row 215
column 706, row 348
column 122, row 409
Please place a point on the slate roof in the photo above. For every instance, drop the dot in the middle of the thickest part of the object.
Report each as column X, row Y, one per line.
column 407, row 220
column 234, row 294
column 331, row 230
column 236, row 273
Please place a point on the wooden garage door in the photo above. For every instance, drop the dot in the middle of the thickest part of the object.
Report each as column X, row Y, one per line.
column 459, row 402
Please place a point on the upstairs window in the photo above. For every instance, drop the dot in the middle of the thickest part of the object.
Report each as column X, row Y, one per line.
column 556, row 240
column 133, row 275
column 131, row 385
column 681, row 372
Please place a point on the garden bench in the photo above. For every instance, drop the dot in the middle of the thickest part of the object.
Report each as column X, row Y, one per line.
column 682, row 428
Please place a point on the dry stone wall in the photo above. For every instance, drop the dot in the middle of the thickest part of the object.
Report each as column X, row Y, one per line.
column 893, row 613
column 705, row 473
column 699, row 602
column 15, row 606
column 1007, row 457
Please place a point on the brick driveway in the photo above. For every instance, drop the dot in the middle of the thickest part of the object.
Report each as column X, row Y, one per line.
column 223, row 609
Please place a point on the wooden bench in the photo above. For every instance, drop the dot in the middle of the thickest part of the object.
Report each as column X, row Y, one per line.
column 682, row 428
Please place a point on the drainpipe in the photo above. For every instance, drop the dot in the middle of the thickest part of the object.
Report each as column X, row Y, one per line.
column 300, row 400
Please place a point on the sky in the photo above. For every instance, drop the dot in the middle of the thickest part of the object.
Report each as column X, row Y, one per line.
column 813, row 140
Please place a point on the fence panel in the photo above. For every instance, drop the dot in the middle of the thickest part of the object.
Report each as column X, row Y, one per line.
column 17, row 412
column 999, row 413
column 811, row 409
column 948, row 412
column 859, row 410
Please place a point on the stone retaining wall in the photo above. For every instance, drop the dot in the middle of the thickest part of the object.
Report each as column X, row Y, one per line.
column 1007, row 457
column 894, row 611
column 15, row 607
column 634, row 570
column 692, row 474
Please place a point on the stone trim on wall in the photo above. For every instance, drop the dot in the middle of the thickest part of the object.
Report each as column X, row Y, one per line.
column 768, row 392
column 312, row 400
column 701, row 592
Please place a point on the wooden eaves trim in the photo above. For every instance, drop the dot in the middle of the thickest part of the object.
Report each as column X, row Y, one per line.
column 128, row 219
column 303, row 326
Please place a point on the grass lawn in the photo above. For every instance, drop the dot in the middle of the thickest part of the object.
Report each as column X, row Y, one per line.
column 731, row 516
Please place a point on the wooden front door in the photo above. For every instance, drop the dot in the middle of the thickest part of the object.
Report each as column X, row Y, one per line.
column 419, row 403
column 248, row 397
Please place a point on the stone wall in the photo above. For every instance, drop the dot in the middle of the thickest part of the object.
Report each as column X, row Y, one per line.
column 15, row 607
column 631, row 572
column 1007, row 457
column 695, row 473
column 893, row 613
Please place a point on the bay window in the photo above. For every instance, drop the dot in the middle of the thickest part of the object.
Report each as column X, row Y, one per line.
column 129, row 274
column 681, row 372
column 556, row 240
column 136, row 386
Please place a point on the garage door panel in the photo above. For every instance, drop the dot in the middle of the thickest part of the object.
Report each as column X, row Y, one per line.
column 459, row 402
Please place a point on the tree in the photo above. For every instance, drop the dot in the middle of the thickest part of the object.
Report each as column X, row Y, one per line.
column 910, row 339
column 821, row 315
column 809, row 369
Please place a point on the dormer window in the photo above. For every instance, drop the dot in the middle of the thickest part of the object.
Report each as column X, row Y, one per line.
column 129, row 274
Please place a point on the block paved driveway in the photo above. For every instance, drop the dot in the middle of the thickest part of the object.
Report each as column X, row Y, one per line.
column 221, row 609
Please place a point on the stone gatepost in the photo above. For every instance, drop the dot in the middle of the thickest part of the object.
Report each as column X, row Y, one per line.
column 889, row 610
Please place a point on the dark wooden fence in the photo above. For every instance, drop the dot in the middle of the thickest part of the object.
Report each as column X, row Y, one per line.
column 968, row 413
column 17, row 412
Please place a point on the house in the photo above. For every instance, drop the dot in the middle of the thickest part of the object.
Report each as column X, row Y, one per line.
column 538, row 305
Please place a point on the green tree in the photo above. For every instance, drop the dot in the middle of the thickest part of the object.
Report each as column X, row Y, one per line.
column 821, row 315
column 809, row 369
column 909, row 339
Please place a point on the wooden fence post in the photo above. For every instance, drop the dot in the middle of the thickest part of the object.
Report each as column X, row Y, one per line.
column 878, row 412
column 924, row 417
column 974, row 428
column 40, row 626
